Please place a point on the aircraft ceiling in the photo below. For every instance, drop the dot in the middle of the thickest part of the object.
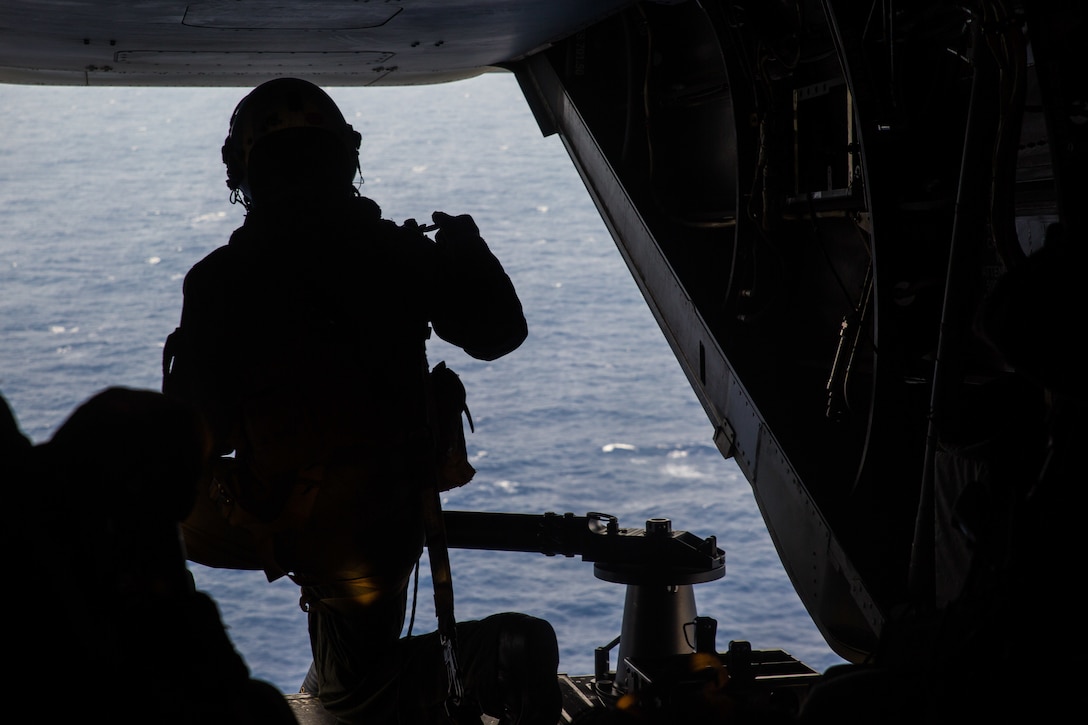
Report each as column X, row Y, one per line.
column 243, row 42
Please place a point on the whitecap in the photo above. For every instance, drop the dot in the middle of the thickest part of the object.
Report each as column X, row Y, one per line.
column 608, row 448
column 508, row 486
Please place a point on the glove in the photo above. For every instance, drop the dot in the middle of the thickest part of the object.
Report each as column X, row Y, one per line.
column 452, row 228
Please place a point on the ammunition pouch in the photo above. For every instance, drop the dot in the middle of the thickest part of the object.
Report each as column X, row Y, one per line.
column 447, row 403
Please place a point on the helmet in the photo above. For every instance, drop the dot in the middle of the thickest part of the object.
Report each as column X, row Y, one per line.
column 280, row 105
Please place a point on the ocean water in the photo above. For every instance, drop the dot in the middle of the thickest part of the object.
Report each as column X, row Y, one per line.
column 109, row 195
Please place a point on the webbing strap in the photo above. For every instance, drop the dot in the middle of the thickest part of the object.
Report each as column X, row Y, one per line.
column 438, row 553
column 441, row 576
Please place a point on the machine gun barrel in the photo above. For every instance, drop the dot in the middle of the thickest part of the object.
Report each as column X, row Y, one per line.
column 656, row 554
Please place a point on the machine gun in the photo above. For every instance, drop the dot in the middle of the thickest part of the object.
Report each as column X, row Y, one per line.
column 658, row 565
column 667, row 652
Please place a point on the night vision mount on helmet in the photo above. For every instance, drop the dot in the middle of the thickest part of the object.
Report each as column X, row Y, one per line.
column 279, row 105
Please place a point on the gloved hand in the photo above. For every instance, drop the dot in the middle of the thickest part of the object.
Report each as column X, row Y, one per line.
column 454, row 227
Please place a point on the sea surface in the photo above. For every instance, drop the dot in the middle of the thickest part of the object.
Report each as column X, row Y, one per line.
column 109, row 195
